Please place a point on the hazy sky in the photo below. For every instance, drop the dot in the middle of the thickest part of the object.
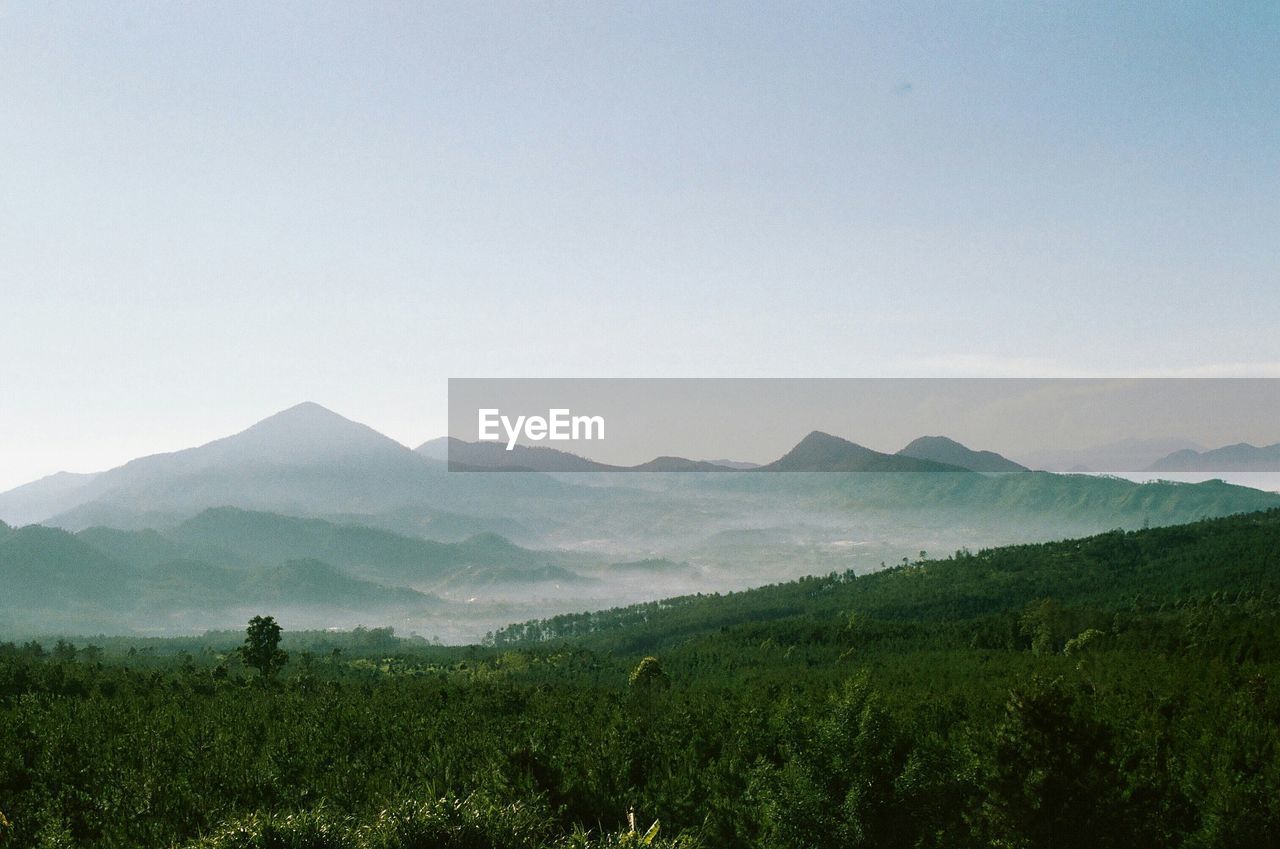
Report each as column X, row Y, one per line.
column 211, row 211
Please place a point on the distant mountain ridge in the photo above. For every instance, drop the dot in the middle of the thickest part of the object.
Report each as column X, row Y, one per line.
column 48, row 496
column 225, row 559
column 822, row 452
column 817, row 452
column 308, row 500
column 303, row 459
column 309, row 462
column 1125, row 455
column 941, row 449
column 1241, row 457
column 301, row 435
column 496, row 457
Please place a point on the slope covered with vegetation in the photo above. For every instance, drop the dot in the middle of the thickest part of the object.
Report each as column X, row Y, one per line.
column 1119, row 690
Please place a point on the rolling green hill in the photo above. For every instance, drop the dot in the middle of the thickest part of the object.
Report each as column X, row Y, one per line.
column 364, row 551
column 316, row 583
column 1110, row 691
column 205, row 571
column 150, row 548
column 54, row 580
column 1137, row 570
column 42, row 567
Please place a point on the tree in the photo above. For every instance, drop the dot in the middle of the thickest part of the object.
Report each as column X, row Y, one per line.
column 64, row 651
column 1044, row 621
column 1053, row 778
column 842, row 779
column 261, row 648
column 649, row 675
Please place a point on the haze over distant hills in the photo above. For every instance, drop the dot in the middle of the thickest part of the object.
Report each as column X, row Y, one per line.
column 817, row 452
column 1241, row 457
column 225, row 560
column 305, row 460
column 300, row 458
column 309, row 461
column 1126, row 455
column 740, row 465
column 310, row 505
column 49, row 496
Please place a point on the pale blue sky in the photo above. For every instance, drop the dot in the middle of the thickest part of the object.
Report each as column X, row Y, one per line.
column 211, row 211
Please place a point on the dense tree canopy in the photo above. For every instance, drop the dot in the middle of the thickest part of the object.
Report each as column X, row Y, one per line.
column 1115, row 690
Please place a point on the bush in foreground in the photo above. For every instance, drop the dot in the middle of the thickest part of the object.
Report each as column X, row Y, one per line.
column 471, row 823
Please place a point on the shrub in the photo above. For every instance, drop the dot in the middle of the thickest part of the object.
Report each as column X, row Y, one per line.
column 648, row 675
column 471, row 823
column 311, row 830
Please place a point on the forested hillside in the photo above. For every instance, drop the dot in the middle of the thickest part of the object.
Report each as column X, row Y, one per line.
column 1118, row 690
column 1133, row 572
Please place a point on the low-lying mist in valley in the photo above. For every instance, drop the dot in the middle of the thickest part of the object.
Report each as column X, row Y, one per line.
column 614, row 542
column 326, row 523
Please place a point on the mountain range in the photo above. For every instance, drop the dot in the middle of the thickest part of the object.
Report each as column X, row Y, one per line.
column 224, row 559
column 823, row 452
column 305, row 460
column 310, row 461
column 817, row 452
column 310, row 512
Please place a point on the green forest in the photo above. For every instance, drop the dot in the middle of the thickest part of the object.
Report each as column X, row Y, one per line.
column 1119, row 690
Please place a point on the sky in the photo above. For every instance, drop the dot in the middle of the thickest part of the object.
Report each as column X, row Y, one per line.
column 212, row 211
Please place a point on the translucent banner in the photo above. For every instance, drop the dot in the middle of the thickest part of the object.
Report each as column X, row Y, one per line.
column 984, row 425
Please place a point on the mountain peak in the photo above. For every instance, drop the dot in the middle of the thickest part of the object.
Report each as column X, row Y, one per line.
column 305, row 432
column 932, row 442
column 821, row 437
column 306, row 454
column 823, row 452
column 307, row 408
column 306, row 414
column 943, row 449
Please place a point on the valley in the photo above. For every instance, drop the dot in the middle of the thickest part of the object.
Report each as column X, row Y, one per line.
column 334, row 525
